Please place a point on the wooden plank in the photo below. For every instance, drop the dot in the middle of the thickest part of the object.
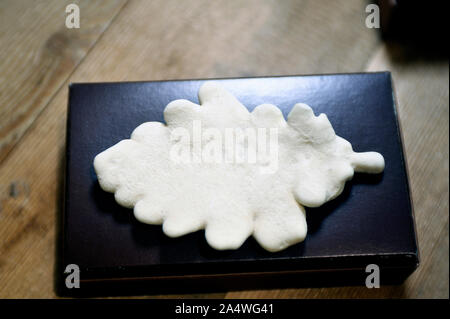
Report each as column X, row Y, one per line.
column 38, row 53
column 203, row 39
column 182, row 39
column 423, row 100
column 422, row 94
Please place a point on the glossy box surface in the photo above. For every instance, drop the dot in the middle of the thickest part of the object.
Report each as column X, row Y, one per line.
column 370, row 223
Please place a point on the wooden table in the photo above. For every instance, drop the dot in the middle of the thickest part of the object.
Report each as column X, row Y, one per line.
column 122, row 40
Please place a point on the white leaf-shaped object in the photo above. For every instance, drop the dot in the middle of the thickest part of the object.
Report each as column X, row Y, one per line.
column 303, row 163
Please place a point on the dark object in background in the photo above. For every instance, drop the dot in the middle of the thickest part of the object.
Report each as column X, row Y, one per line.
column 371, row 222
column 418, row 25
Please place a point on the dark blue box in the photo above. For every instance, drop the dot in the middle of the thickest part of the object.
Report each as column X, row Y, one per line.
column 370, row 223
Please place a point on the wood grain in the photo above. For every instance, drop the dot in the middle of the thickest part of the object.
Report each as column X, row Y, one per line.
column 150, row 40
column 38, row 53
column 423, row 99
